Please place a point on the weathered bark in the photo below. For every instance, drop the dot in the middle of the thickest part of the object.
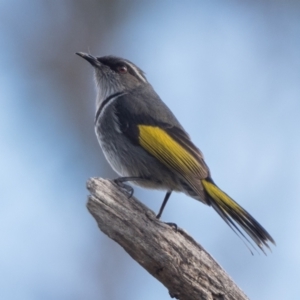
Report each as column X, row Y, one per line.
column 170, row 255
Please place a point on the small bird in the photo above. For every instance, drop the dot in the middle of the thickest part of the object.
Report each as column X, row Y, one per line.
column 145, row 144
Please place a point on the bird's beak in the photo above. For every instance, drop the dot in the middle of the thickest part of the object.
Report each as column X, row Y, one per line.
column 91, row 59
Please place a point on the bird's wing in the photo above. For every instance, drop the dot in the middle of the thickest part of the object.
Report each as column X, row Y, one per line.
column 172, row 147
column 170, row 144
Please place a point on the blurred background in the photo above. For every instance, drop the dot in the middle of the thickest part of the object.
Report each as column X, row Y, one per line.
column 229, row 70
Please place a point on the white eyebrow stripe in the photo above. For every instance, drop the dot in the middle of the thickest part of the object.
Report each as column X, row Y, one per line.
column 137, row 72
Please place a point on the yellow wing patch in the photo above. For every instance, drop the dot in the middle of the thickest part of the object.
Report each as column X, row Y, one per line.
column 168, row 151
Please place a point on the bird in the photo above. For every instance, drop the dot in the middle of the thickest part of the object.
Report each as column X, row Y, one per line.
column 146, row 145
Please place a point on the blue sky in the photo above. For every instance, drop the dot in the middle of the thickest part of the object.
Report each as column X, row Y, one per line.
column 230, row 72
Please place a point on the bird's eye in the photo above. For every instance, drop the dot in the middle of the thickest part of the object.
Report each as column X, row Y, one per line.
column 122, row 69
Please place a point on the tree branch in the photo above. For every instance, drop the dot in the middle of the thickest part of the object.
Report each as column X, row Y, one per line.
column 172, row 257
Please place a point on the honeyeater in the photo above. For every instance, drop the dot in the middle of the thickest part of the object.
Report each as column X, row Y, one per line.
column 145, row 144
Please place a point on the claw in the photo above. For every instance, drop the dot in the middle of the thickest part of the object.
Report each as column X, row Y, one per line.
column 173, row 225
column 125, row 187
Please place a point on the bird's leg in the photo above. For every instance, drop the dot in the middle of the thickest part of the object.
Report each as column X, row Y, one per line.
column 168, row 194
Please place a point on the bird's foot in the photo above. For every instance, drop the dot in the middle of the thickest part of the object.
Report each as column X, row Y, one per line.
column 125, row 187
column 173, row 225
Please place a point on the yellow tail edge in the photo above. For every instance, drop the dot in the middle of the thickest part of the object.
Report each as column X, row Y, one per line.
column 233, row 214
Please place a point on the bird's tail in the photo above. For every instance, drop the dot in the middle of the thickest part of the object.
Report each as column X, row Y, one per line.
column 234, row 214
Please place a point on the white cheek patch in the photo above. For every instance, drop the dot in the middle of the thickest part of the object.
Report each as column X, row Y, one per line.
column 104, row 91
